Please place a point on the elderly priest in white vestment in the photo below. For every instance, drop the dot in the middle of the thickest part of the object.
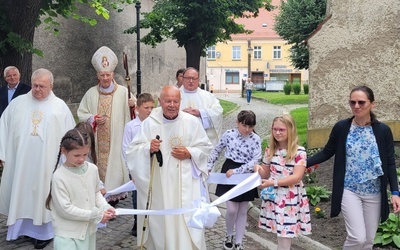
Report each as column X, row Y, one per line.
column 201, row 104
column 31, row 129
column 185, row 148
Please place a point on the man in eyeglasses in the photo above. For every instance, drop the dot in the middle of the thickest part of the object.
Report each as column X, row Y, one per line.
column 13, row 89
column 202, row 104
column 31, row 129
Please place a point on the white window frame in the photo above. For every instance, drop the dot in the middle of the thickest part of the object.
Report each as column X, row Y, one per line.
column 257, row 52
column 236, row 52
column 277, row 52
column 211, row 53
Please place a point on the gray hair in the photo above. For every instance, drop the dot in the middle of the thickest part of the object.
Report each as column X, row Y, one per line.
column 43, row 72
column 10, row 68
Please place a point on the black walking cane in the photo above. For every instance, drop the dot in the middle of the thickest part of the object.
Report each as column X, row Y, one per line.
column 156, row 156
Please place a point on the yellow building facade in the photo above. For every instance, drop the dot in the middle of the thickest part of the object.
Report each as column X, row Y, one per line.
column 263, row 56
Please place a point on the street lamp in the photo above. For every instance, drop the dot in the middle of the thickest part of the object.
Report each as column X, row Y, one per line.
column 249, row 52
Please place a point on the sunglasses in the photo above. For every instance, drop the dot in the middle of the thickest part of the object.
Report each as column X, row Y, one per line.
column 360, row 103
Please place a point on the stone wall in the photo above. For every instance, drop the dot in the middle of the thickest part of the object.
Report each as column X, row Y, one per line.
column 358, row 45
column 69, row 54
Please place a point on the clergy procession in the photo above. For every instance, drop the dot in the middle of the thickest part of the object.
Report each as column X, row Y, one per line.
column 61, row 182
column 68, row 176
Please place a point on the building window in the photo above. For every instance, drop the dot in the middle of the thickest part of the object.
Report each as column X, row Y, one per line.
column 211, row 53
column 257, row 52
column 231, row 77
column 236, row 53
column 277, row 52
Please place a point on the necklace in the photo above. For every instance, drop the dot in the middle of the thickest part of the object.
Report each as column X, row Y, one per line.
column 282, row 152
column 366, row 124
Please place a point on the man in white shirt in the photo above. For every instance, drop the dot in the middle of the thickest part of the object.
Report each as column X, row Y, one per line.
column 13, row 89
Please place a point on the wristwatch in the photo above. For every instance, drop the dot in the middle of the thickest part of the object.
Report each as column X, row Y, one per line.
column 395, row 193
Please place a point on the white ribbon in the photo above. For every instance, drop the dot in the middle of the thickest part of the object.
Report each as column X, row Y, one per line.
column 248, row 184
column 220, row 178
column 129, row 186
column 205, row 215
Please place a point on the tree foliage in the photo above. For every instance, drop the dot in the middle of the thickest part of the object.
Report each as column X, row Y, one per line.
column 296, row 20
column 19, row 18
column 197, row 24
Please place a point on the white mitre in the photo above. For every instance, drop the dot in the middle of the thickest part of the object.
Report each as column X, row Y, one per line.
column 104, row 59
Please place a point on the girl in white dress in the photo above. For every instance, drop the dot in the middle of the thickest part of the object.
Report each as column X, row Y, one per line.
column 75, row 200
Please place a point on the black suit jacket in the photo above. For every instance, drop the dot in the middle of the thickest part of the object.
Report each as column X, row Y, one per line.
column 21, row 89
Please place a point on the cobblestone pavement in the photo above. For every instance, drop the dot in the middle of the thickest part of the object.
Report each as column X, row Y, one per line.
column 117, row 233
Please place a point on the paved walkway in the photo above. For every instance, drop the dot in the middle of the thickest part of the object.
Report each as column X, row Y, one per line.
column 116, row 236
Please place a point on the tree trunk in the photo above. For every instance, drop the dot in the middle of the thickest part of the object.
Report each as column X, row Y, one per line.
column 21, row 16
column 193, row 53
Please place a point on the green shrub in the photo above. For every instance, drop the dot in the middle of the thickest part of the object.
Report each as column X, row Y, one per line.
column 296, row 88
column 389, row 231
column 317, row 193
column 305, row 88
column 287, row 88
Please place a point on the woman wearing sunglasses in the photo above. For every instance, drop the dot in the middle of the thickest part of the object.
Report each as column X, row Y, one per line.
column 364, row 165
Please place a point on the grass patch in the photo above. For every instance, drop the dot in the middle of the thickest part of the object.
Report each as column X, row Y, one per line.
column 264, row 145
column 227, row 106
column 300, row 116
column 281, row 98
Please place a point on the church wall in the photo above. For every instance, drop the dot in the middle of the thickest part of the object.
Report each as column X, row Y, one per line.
column 358, row 45
column 69, row 54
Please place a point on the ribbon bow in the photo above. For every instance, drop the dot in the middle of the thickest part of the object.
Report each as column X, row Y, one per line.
column 205, row 215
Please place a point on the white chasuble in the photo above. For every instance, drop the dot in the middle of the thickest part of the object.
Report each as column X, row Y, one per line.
column 30, row 136
column 175, row 184
column 209, row 104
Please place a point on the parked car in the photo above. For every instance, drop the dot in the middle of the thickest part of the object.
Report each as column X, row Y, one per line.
column 259, row 86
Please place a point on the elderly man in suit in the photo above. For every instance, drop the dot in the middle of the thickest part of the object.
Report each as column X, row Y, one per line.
column 13, row 89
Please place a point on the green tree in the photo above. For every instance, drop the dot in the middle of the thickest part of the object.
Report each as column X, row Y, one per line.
column 296, row 20
column 19, row 18
column 197, row 24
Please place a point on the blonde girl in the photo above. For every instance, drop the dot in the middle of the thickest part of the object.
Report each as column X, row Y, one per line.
column 286, row 213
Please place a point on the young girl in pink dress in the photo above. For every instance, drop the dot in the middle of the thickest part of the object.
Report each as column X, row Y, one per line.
column 285, row 212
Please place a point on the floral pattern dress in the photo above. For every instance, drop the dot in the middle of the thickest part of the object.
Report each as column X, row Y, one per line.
column 287, row 213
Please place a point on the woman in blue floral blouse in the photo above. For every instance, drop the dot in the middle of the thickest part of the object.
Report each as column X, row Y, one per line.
column 364, row 165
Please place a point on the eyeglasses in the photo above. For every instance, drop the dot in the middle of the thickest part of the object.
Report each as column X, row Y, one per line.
column 39, row 86
column 360, row 103
column 280, row 130
column 191, row 78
